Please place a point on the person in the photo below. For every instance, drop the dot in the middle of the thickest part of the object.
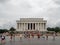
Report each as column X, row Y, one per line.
column 46, row 36
column 3, row 39
column 54, row 34
column 32, row 35
column 38, row 35
column 29, row 35
column 14, row 37
column 24, row 34
column 11, row 37
column 43, row 36
column 20, row 36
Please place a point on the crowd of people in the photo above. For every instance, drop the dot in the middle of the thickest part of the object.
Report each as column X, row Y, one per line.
column 27, row 35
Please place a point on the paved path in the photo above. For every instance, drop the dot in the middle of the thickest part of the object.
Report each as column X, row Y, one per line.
column 33, row 41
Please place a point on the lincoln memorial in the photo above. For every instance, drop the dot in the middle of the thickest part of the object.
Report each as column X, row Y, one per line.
column 31, row 24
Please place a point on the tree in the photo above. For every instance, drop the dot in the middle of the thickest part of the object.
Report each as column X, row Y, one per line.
column 12, row 30
column 3, row 30
column 56, row 29
column 50, row 29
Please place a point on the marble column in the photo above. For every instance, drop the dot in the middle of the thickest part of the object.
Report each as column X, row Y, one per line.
column 44, row 25
column 38, row 26
column 35, row 26
column 41, row 26
column 17, row 25
column 32, row 26
column 24, row 26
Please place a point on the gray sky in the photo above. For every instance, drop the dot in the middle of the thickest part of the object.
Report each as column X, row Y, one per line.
column 12, row 10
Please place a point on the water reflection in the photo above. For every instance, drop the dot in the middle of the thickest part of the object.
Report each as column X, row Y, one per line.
column 32, row 41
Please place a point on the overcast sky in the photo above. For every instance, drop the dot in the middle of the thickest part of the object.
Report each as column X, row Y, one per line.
column 12, row 10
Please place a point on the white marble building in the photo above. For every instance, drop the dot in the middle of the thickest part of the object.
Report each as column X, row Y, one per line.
column 31, row 24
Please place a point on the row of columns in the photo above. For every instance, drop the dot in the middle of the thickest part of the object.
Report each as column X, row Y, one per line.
column 38, row 26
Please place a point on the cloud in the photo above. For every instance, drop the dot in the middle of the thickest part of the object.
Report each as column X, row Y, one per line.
column 3, row 0
column 15, row 9
column 57, row 2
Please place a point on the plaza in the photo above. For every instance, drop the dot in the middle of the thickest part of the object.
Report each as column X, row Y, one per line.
column 32, row 41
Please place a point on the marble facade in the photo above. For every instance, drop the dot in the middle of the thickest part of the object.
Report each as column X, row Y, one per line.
column 31, row 24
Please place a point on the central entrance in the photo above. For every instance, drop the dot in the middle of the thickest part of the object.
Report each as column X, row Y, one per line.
column 31, row 26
